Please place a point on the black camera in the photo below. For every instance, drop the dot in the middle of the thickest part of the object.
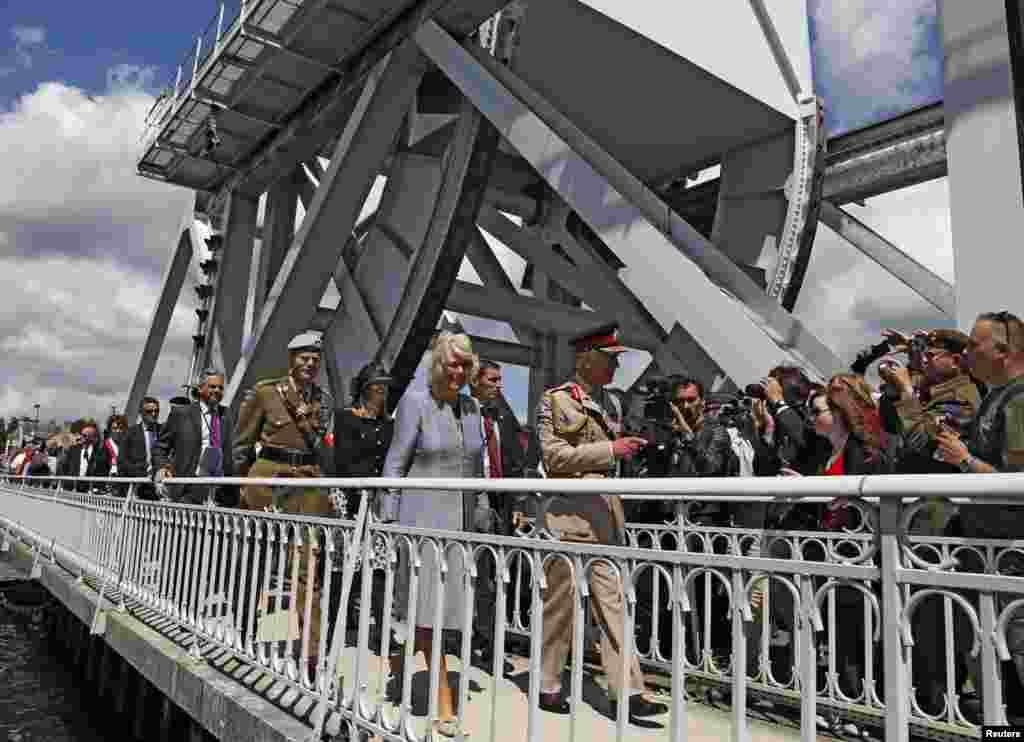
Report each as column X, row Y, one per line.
column 917, row 350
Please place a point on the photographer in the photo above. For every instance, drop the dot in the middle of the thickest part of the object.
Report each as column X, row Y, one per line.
column 789, row 432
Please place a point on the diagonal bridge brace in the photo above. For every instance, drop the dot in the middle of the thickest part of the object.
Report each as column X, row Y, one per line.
column 671, row 268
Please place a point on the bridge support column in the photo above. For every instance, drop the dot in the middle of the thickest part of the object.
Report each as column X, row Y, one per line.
column 166, row 719
column 227, row 315
column 142, row 697
column 278, row 231
column 124, row 671
column 984, row 148
column 103, row 662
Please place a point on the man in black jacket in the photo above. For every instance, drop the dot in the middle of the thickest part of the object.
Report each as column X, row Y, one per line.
column 139, row 446
column 196, row 441
column 503, row 451
column 88, row 459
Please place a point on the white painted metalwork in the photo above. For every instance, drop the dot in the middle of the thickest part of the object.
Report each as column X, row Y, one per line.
column 228, row 580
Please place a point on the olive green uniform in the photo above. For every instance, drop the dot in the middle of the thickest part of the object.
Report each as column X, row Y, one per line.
column 265, row 420
column 576, row 433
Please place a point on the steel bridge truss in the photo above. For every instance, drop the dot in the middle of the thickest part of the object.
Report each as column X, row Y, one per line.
column 274, row 123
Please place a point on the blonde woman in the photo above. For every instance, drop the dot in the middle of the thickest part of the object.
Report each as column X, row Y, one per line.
column 437, row 434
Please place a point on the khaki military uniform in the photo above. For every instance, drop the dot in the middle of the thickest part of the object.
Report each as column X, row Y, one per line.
column 264, row 419
column 576, row 433
column 958, row 398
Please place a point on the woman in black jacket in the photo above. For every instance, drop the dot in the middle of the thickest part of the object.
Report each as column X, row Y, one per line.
column 362, row 432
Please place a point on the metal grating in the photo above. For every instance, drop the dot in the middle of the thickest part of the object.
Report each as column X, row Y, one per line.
column 250, row 68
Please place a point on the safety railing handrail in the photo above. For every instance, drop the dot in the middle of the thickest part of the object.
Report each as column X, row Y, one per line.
column 249, row 554
column 988, row 487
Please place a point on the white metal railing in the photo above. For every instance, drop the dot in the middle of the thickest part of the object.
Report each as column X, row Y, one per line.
column 229, row 14
column 702, row 601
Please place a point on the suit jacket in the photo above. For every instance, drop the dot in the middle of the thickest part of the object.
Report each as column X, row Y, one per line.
column 99, row 464
column 181, row 441
column 513, row 458
column 132, row 461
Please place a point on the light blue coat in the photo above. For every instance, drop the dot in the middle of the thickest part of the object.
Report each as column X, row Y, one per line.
column 430, row 442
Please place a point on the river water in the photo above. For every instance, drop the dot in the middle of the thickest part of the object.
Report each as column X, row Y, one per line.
column 41, row 697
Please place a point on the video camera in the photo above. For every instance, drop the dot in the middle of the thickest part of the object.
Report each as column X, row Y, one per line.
column 654, row 426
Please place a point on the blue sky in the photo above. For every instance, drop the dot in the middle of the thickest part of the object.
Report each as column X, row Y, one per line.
column 84, row 240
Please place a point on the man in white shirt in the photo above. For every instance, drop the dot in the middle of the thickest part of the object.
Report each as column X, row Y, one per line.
column 196, row 441
column 88, row 459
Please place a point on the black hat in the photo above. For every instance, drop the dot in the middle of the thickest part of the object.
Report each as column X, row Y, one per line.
column 371, row 373
column 605, row 337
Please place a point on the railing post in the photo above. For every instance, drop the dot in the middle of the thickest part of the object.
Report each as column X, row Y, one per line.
column 195, row 62
column 177, row 83
column 220, row 22
column 897, row 706
column 991, row 683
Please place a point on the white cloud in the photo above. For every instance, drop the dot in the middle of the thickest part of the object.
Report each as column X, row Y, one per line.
column 29, row 35
column 131, row 77
column 875, row 57
column 84, row 245
column 27, row 40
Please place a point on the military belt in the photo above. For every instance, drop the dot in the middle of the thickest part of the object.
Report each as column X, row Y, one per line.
column 289, row 456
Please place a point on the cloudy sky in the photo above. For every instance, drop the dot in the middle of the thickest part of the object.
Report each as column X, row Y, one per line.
column 84, row 241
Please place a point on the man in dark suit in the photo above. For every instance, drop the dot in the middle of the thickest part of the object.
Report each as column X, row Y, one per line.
column 139, row 446
column 503, row 450
column 196, row 441
column 503, row 458
column 87, row 459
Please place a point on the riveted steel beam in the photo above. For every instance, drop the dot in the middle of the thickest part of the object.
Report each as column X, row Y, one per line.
column 366, row 140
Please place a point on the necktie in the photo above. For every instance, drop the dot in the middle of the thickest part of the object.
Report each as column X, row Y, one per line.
column 214, row 431
column 493, row 453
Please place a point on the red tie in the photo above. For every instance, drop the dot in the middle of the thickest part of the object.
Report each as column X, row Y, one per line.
column 493, row 453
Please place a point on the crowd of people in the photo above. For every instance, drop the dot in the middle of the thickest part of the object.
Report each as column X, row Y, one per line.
column 947, row 403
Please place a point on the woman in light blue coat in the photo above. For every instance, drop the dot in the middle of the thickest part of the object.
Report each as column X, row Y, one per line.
column 437, row 434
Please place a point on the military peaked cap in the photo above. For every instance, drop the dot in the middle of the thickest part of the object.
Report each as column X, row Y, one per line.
column 604, row 338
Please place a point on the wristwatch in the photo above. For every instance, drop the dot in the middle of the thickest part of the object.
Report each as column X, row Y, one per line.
column 966, row 463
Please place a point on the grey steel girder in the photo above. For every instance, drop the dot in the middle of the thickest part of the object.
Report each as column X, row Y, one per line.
column 544, row 316
column 435, row 264
column 637, row 226
column 276, row 239
column 985, row 137
column 907, row 161
column 917, row 277
column 364, row 143
column 231, row 293
column 491, row 272
column 325, row 111
column 170, row 289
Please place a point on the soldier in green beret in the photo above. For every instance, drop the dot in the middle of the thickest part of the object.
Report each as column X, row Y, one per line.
column 282, row 432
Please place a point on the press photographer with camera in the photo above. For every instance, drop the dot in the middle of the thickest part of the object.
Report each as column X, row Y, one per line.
column 788, row 430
